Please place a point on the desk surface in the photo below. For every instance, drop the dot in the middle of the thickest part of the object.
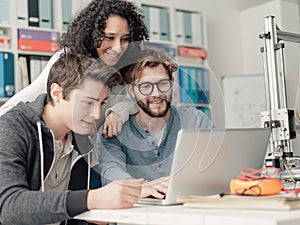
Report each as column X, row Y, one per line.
column 179, row 215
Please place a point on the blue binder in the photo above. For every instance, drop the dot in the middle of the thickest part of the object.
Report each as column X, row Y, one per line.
column 164, row 24
column 5, row 11
column 45, row 13
column 67, row 13
column 193, row 85
column 184, row 84
column 187, row 27
column 7, row 81
column 146, row 14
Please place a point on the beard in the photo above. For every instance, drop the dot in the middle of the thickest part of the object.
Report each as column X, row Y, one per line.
column 146, row 108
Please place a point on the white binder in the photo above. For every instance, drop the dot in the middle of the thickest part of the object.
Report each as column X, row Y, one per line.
column 179, row 27
column 197, row 29
column 154, row 23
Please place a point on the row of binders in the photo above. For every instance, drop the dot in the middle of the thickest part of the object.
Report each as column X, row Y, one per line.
column 30, row 67
column 193, row 85
column 189, row 25
column 40, row 13
column 38, row 40
column 185, row 51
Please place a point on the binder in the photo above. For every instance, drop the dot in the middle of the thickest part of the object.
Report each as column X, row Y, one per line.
column 66, row 13
column 24, row 75
column 154, row 23
column 35, row 67
column 38, row 35
column 192, row 52
column 45, row 13
column 206, row 85
column 203, row 81
column 197, row 29
column 187, row 27
column 200, row 81
column 22, row 13
column 33, row 13
column 180, row 29
column 193, row 85
column 37, row 45
column 4, row 12
column 164, row 24
column 184, row 84
column 7, row 81
column 146, row 14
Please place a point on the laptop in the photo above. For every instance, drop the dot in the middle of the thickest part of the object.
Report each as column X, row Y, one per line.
column 205, row 161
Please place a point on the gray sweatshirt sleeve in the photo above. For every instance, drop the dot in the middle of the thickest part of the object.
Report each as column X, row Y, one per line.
column 20, row 198
column 112, row 160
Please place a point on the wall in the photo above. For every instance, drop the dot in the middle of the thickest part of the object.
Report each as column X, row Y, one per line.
column 227, row 46
column 224, row 43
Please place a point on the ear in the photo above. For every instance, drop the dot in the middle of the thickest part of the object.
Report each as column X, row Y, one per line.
column 56, row 92
column 130, row 90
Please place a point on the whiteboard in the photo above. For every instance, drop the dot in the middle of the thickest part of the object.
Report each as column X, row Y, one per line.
column 244, row 99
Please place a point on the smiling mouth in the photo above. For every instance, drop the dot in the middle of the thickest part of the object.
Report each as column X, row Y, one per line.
column 87, row 123
column 156, row 102
column 113, row 56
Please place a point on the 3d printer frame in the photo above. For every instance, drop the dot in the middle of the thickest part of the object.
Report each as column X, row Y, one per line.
column 278, row 118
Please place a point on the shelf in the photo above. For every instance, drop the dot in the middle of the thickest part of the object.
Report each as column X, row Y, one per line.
column 7, row 26
column 6, row 50
column 23, row 52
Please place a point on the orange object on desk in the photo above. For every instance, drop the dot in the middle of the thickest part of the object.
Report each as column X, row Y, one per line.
column 255, row 187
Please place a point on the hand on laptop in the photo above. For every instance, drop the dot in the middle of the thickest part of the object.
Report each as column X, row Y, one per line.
column 155, row 188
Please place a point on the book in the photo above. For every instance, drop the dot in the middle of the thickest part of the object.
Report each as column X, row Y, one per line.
column 271, row 202
column 38, row 35
column 192, row 52
column 37, row 45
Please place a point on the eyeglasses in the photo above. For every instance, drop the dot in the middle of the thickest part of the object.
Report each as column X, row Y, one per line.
column 146, row 88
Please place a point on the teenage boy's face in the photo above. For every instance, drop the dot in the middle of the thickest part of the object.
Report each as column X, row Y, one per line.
column 157, row 103
column 115, row 41
column 84, row 106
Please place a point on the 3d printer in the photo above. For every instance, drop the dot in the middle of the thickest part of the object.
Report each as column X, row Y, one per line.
column 278, row 118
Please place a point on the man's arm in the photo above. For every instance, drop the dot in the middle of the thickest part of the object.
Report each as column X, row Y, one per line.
column 112, row 160
column 19, row 180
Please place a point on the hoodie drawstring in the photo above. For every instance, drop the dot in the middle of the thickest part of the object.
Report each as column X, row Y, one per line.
column 89, row 171
column 39, row 126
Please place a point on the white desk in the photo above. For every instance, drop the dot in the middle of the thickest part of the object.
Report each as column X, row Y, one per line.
column 178, row 215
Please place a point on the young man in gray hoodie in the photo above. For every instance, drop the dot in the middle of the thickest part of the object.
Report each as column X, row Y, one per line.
column 46, row 149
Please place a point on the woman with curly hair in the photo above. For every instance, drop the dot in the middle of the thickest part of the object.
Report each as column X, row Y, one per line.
column 111, row 30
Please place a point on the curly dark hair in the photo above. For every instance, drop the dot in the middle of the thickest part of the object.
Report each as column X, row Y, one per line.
column 86, row 30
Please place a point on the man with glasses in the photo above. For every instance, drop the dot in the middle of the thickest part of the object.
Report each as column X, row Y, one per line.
column 144, row 149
